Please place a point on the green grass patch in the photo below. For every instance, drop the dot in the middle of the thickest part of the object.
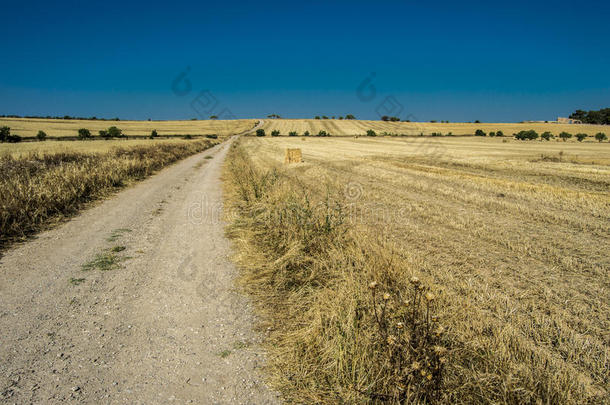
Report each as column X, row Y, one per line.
column 76, row 281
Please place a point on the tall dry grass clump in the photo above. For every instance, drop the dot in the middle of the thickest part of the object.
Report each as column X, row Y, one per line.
column 39, row 187
column 349, row 319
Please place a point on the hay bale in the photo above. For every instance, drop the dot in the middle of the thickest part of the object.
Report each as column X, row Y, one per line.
column 293, row 156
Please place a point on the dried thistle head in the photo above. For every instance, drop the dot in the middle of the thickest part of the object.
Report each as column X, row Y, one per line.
column 386, row 296
column 414, row 280
column 430, row 296
column 440, row 350
column 391, row 340
column 373, row 285
column 400, row 325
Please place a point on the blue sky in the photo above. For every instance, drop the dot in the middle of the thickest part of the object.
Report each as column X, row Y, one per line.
column 435, row 60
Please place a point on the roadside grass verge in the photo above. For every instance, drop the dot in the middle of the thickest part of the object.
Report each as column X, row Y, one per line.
column 350, row 320
column 38, row 188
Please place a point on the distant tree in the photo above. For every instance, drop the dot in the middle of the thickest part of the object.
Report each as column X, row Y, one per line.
column 340, row 117
column 370, row 132
column 317, row 117
column 333, row 117
column 385, row 118
column 394, row 119
column 477, row 121
column 292, row 133
column 104, row 134
column 350, row 117
column 213, row 117
column 565, row 136
column 275, row 132
column 526, row 135
column 306, row 133
column 492, row 133
column 153, row 134
column 546, row 136
column 41, row 135
column 273, row 116
column 499, row 133
column 322, row 133
column 84, row 133
column 581, row 137
column 5, row 132
column 324, row 117
column 600, row 136
column 260, row 132
column 114, row 132
column 479, row 132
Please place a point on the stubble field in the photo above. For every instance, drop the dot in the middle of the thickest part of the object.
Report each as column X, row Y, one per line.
column 512, row 238
column 359, row 127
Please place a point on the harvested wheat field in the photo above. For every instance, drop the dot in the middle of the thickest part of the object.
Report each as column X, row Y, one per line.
column 451, row 270
column 29, row 127
column 360, row 127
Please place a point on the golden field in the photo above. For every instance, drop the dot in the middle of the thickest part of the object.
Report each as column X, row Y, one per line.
column 29, row 127
column 359, row 127
column 511, row 239
column 51, row 147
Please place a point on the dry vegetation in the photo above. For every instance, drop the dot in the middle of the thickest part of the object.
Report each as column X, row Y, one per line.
column 29, row 127
column 42, row 184
column 358, row 127
column 510, row 239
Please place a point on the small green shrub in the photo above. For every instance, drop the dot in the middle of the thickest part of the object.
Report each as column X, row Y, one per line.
column 115, row 132
column 546, row 136
column 84, row 133
column 5, row 132
column 581, row 137
column 479, row 132
column 41, row 136
column 275, row 132
column 370, row 132
column 153, row 134
column 565, row 136
column 600, row 136
column 260, row 132
column 292, row 133
column 306, row 133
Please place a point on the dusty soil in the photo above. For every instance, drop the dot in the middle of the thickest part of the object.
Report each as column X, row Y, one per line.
column 163, row 324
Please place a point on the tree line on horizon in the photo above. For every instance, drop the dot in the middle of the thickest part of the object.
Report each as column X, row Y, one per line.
column 600, row 117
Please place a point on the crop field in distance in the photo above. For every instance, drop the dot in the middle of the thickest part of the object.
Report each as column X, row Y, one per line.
column 359, row 127
column 512, row 235
column 29, row 127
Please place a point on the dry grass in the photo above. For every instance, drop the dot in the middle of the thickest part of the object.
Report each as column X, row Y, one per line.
column 39, row 187
column 51, row 147
column 358, row 127
column 514, row 246
column 29, row 127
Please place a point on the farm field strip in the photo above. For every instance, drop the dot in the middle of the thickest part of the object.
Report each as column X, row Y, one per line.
column 29, row 127
column 359, row 127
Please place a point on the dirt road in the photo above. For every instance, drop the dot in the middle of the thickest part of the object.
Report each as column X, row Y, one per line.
column 162, row 324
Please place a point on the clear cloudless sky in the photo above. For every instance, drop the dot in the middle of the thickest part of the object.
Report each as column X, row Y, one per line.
column 438, row 60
